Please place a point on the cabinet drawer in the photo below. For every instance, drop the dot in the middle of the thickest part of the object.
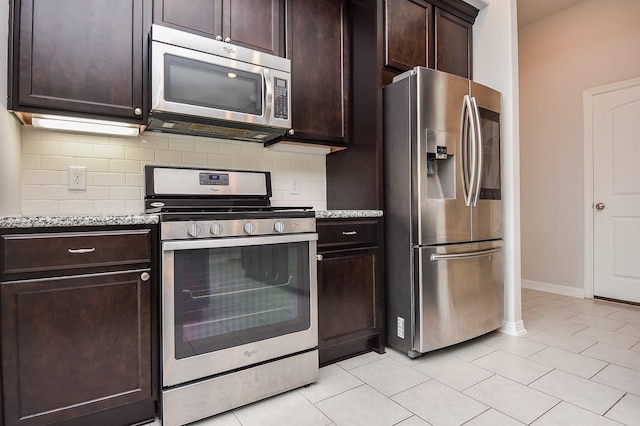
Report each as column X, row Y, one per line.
column 345, row 234
column 71, row 250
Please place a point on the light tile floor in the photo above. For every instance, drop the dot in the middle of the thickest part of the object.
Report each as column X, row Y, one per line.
column 579, row 364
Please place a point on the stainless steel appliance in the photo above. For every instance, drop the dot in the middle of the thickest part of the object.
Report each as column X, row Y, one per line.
column 206, row 87
column 239, row 291
column 443, row 207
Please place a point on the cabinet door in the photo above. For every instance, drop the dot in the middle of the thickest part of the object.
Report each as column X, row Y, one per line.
column 349, row 304
column 255, row 25
column 317, row 37
column 75, row 346
column 81, row 58
column 408, row 34
column 453, row 44
column 203, row 17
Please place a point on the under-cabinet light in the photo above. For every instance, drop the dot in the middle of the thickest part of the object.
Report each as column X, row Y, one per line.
column 301, row 148
column 85, row 125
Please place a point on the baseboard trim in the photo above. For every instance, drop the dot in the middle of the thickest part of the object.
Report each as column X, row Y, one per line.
column 513, row 328
column 554, row 288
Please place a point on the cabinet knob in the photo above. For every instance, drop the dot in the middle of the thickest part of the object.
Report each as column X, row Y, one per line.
column 145, row 276
column 319, row 257
column 138, row 111
column 291, row 132
column 219, row 37
column 227, row 40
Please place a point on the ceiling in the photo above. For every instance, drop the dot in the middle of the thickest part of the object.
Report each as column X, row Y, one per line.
column 533, row 10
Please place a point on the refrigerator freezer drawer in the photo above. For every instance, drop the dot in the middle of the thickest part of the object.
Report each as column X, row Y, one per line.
column 459, row 293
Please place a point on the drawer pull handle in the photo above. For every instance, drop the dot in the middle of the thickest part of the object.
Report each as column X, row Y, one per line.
column 349, row 233
column 82, row 251
column 319, row 257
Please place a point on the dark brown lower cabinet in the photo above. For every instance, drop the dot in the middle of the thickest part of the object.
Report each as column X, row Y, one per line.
column 350, row 311
column 77, row 345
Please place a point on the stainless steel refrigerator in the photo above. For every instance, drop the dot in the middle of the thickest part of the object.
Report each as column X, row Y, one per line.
column 443, row 210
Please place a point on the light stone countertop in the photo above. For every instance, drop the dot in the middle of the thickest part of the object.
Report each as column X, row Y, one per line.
column 347, row 214
column 141, row 219
column 70, row 221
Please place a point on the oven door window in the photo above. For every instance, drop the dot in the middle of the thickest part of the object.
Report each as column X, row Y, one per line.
column 225, row 297
column 192, row 82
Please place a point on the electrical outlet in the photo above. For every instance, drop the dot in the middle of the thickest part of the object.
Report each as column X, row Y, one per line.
column 295, row 187
column 400, row 331
column 77, row 178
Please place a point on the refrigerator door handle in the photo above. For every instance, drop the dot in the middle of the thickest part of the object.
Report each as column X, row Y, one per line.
column 479, row 143
column 466, row 255
column 468, row 149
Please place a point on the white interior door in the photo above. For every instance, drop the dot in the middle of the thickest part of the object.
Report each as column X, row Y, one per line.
column 616, row 193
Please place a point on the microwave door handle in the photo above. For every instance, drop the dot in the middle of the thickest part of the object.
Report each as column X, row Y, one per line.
column 479, row 144
column 268, row 95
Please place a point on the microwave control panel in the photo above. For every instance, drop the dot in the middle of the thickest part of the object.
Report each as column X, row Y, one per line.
column 281, row 109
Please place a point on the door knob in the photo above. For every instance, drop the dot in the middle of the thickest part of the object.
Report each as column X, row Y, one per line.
column 600, row 206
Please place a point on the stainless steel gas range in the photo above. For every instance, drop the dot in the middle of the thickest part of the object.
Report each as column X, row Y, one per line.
column 239, row 291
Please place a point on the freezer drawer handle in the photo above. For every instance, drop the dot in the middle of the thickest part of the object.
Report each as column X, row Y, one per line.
column 82, row 250
column 467, row 255
column 349, row 233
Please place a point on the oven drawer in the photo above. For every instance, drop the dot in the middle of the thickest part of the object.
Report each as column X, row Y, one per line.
column 58, row 251
column 340, row 234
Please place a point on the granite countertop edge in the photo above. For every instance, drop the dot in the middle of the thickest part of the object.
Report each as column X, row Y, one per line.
column 79, row 220
column 346, row 214
column 140, row 219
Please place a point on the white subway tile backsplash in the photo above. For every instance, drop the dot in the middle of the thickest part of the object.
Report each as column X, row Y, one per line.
column 108, row 151
column 136, row 180
column 124, row 193
column 76, row 207
column 40, row 207
column 108, row 179
column 57, row 162
column 166, row 156
column 30, row 161
column 124, row 166
column 154, row 142
column 182, row 145
column 115, row 170
column 220, row 160
column 76, row 149
column 206, row 145
column 94, row 164
column 137, row 153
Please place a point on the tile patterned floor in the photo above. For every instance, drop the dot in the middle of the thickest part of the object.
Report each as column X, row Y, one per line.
column 579, row 364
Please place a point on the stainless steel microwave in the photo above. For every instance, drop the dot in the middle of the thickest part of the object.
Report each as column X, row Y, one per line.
column 205, row 87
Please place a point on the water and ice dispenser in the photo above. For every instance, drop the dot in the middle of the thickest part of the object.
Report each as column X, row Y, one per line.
column 440, row 167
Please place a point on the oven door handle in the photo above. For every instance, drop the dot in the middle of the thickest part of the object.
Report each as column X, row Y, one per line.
column 237, row 242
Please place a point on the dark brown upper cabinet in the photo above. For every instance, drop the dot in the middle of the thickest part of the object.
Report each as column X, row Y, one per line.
column 434, row 34
column 408, row 34
column 317, row 44
column 253, row 24
column 79, row 58
column 453, row 44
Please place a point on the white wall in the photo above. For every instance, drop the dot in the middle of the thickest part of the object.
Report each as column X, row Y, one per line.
column 585, row 46
column 495, row 64
column 9, row 134
column 115, row 180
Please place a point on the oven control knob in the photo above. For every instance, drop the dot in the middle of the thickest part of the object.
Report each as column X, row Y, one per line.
column 216, row 229
column 278, row 227
column 193, row 231
column 249, row 228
